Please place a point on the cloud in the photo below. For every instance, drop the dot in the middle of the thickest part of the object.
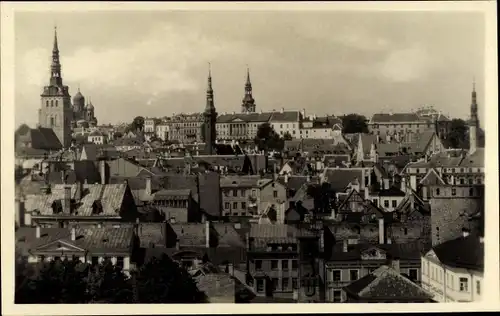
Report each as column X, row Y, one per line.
column 405, row 65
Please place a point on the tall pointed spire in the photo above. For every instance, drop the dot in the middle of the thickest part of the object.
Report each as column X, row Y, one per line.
column 210, row 91
column 248, row 103
column 473, row 121
column 55, row 67
column 209, row 117
column 55, row 48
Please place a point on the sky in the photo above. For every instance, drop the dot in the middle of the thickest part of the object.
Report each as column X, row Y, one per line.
column 330, row 62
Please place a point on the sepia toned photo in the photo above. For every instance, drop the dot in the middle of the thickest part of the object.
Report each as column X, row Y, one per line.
column 248, row 156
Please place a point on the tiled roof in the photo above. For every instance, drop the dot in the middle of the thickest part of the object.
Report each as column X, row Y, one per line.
column 333, row 161
column 387, row 283
column 88, row 238
column 243, row 181
column 172, row 193
column 463, row 252
column 394, row 117
column 152, row 234
column 285, row 116
column 276, row 231
column 246, row 117
column 404, row 251
column 217, row 285
column 392, row 191
column 110, row 196
column 294, row 182
column 367, row 140
column 227, row 235
column 40, row 138
column 452, row 158
column 194, row 234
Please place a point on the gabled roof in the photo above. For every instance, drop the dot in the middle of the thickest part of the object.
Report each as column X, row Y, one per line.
column 40, row 138
column 340, row 178
column 285, row 116
column 432, row 177
column 387, row 283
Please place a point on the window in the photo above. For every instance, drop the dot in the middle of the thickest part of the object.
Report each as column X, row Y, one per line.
column 47, row 103
column 413, row 274
column 284, row 284
column 464, row 285
column 275, row 283
column 471, row 192
column 254, row 193
column 275, row 194
column 119, row 262
column 284, row 264
column 478, row 287
column 51, row 103
column 353, row 274
column 294, row 264
column 260, row 285
column 258, row 264
column 243, row 205
column 386, row 203
column 235, row 205
column 235, row 192
column 243, row 193
column 405, row 231
column 437, row 191
column 227, row 205
column 453, row 191
column 336, row 276
column 337, row 295
column 375, row 202
column 274, row 264
column 56, row 103
column 295, row 283
column 52, row 122
column 394, row 203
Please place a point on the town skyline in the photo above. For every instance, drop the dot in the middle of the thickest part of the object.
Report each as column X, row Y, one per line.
column 344, row 68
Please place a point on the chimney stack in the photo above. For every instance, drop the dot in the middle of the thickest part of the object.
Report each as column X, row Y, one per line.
column 102, row 165
column 344, row 245
column 207, row 234
column 148, row 186
column 38, row 233
column 286, row 178
column 282, row 110
column 67, row 199
column 73, row 233
column 381, row 231
column 177, row 244
column 465, row 232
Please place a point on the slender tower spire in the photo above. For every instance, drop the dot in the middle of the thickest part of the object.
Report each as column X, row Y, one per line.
column 209, row 118
column 55, row 67
column 474, row 120
column 248, row 103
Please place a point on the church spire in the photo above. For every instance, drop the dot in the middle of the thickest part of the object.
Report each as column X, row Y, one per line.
column 209, row 118
column 248, row 103
column 473, row 107
column 210, row 91
column 55, row 67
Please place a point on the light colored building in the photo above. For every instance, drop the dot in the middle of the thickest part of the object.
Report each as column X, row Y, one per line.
column 453, row 270
column 399, row 123
column 96, row 137
column 185, row 128
column 162, row 131
column 284, row 122
column 240, row 126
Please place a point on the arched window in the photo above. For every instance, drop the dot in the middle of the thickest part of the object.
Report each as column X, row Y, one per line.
column 56, row 103
column 51, row 103
column 47, row 103
column 471, row 192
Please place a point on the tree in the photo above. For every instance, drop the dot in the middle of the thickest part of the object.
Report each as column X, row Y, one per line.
column 136, row 125
column 287, row 136
column 106, row 283
column 164, row 281
column 268, row 139
column 457, row 134
column 324, row 197
column 354, row 123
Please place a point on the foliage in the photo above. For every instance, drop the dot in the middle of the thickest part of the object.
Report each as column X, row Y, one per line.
column 457, row 134
column 136, row 125
column 287, row 136
column 267, row 139
column 354, row 123
column 106, row 283
column 163, row 281
column 324, row 197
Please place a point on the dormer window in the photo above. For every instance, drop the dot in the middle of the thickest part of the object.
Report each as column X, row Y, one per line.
column 97, row 207
column 57, row 207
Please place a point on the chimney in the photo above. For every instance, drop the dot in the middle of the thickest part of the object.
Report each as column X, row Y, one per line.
column 102, row 165
column 148, row 186
column 282, row 110
column 67, row 199
column 207, row 234
column 73, row 233
column 247, row 239
column 395, row 264
column 286, row 178
column 38, row 232
column 344, row 245
column 381, row 231
column 465, row 232
column 177, row 244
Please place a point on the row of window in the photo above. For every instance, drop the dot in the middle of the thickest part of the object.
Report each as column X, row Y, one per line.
column 276, row 263
column 51, row 103
column 94, row 260
column 436, row 274
column 172, row 203
column 413, row 125
column 227, row 206
column 285, row 284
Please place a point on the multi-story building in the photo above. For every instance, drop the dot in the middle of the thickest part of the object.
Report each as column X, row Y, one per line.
column 286, row 122
column 320, row 127
column 453, row 271
column 185, row 128
column 162, row 131
column 240, row 126
column 249, row 195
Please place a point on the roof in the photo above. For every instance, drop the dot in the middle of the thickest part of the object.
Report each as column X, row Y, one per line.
column 87, row 238
column 387, row 283
column 463, row 252
column 110, row 196
column 339, row 178
column 243, row 181
column 277, row 231
column 40, row 138
column 246, row 117
column 152, row 234
column 285, row 116
column 392, row 191
column 404, row 251
column 394, row 117
column 452, row 158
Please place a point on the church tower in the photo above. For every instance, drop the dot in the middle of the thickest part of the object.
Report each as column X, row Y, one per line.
column 56, row 111
column 248, row 105
column 473, row 122
column 209, row 118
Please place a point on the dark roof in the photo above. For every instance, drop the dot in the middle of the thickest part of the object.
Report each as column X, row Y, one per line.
column 40, row 138
column 392, row 191
column 387, row 283
column 394, row 117
column 403, row 251
column 463, row 252
column 339, row 178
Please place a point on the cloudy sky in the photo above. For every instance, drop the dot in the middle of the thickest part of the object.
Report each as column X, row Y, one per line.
column 155, row 63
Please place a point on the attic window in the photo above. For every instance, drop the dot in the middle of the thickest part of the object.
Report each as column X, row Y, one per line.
column 57, row 207
column 97, row 207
